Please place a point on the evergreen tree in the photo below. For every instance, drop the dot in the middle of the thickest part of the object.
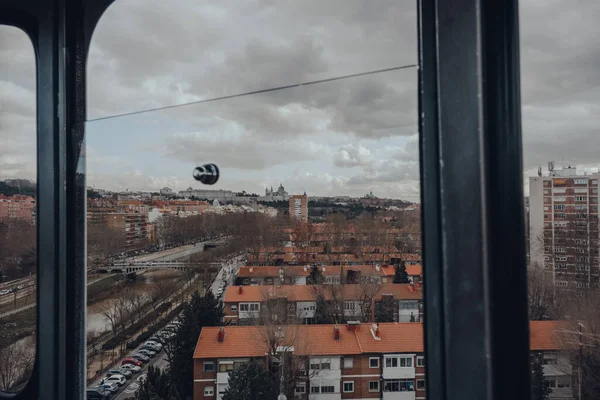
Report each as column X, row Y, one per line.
column 199, row 312
column 384, row 310
column 315, row 276
column 156, row 386
column 400, row 274
column 539, row 391
column 251, row 381
column 321, row 313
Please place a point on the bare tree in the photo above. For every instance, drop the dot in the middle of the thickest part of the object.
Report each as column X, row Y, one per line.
column 369, row 287
column 111, row 311
column 15, row 361
column 543, row 303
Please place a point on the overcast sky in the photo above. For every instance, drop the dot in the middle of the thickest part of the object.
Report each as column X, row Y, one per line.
column 346, row 137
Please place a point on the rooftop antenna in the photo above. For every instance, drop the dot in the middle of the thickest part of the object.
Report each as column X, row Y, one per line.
column 551, row 168
column 540, row 170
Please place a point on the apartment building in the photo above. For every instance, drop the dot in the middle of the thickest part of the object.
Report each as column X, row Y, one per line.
column 564, row 235
column 331, row 255
column 299, row 207
column 352, row 361
column 133, row 225
column 246, row 305
column 17, row 208
column 333, row 274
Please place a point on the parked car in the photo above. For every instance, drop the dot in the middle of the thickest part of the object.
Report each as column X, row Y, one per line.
column 110, row 386
column 153, row 343
column 131, row 368
column 95, row 393
column 130, row 360
column 120, row 371
column 147, row 352
column 118, row 379
column 3, row 292
column 141, row 357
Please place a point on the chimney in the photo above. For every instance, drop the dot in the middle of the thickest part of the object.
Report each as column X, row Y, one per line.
column 375, row 331
column 377, row 267
column 411, row 288
column 240, row 290
column 336, row 332
column 352, row 325
column 221, row 335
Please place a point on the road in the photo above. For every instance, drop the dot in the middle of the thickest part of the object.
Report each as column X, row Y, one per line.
column 176, row 253
column 132, row 385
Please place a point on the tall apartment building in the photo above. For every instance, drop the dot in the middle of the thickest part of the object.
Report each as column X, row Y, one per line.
column 354, row 361
column 563, row 222
column 17, row 207
column 133, row 226
column 299, row 207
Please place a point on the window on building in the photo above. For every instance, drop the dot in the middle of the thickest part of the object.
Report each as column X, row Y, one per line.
column 233, row 307
column 373, row 386
column 421, row 384
column 209, row 391
column 559, row 207
column 349, row 305
column 328, row 389
column 399, row 385
column 580, row 198
column 226, row 367
column 551, row 383
column 406, row 362
column 420, row 361
column 391, row 362
column 373, row 362
column 209, row 366
column 315, row 389
column 409, row 305
column 301, row 387
column 550, row 359
column 349, row 387
column 348, row 362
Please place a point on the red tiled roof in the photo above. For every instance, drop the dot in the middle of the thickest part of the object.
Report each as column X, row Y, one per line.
column 395, row 337
column 544, row 335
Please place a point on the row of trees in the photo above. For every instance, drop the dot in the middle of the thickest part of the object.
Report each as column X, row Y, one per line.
column 177, row 381
column 18, row 249
column 580, row 311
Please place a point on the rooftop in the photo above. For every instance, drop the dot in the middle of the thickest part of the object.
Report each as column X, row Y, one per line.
column 319, row 340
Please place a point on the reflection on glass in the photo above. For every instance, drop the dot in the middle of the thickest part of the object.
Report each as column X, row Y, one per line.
column 309, row 242
column 18, row 246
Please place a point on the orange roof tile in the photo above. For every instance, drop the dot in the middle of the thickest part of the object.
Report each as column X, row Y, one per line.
column 543, row 335
column 318, row 340
column 396, row 337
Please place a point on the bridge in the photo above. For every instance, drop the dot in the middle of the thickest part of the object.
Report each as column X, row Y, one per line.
column 138, row 266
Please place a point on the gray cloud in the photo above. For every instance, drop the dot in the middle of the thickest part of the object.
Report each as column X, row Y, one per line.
column 148, row 53
column 353, row 156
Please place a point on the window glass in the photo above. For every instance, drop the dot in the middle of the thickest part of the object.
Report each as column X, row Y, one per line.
column 18, row 209
column 562, row 267
column 309, row 111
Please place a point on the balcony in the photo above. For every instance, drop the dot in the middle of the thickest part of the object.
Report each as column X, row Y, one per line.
column 222, row 378
column 399, row 395
column 398, row 373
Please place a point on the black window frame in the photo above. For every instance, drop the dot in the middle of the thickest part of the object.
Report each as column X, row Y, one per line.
column 471, row 195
